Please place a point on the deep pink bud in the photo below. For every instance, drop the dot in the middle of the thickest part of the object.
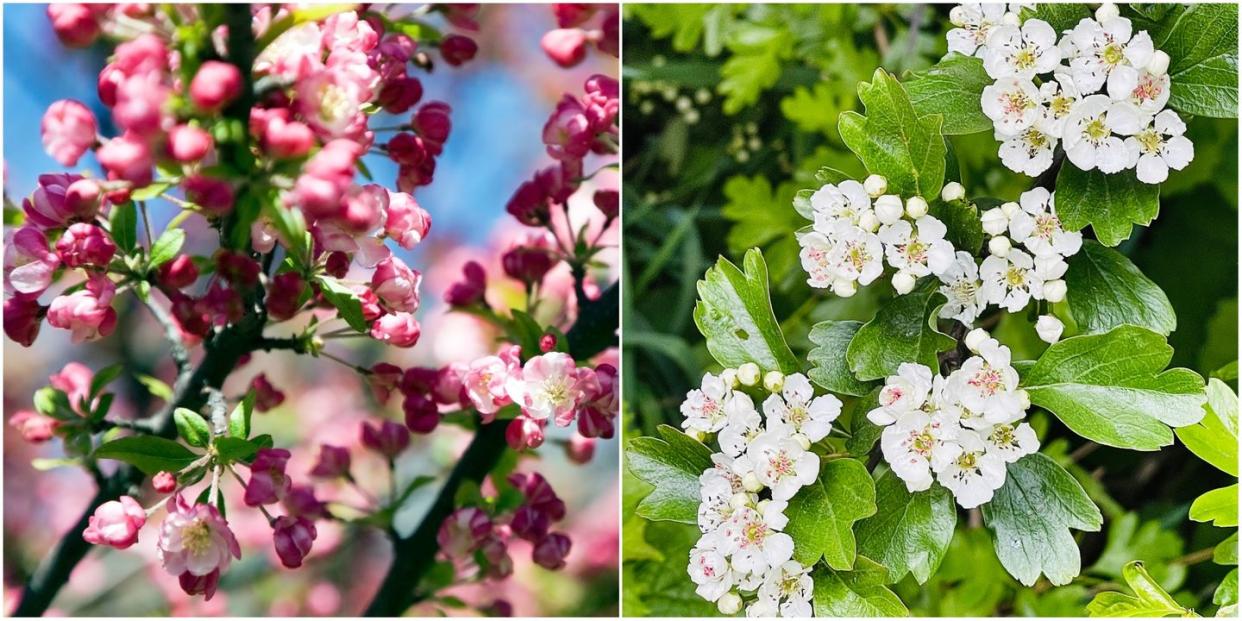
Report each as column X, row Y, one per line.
column 23, row 316
column 287, row 139
column 85, row 244
column 144, row 54
column 397, row 329
column 371, row 309
column 127, row 158
column 608, row 203
column 568, row 132
column 396, row 285
column 75, row 381
column 266, row 395
column 470, row 289
column 384, row 379
column 88, row 312
column 421, row 413
column 547, row 343
column 461, row 14
column 498, row 608
column 187, row 143
column 462, row 531
column 293, row 537
column 215, row 196
column 524, row 432
column 400, row 94
column 284, row 295
column 237, row 268
column 333, row 462
column 116, row 523
column 565, row 46
column 539, row 494
column 433, row 124
column 457, row 49
column 75, row 25
column 337, row 264
column 215, row 85
column 68, row 130
column 529, row 523
column 407, row 149
column 610, row 39
column 82, row 198
column 387, row 439
column 572, row 15
column 448, row 386
column 496, row 552
column 301, row 501
column 551, row 551
column 268, row 481
column 34, row 427
column 200, row 585
column 529, row 204
column 580, row 449
column 528, row 264
column 164, row 482
column 110, row 79
column 178, row 273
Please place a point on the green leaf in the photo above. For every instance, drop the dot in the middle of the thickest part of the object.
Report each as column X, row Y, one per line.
column 347, row 304
column 149, row 192
column 1060, row 16
column 822, row 514
column 123, row 225
column 961, row 219
column 231, row 449
column 1149, row 541
column 1149, row 600
column 863, row 433
column 150, row 454
column 829, row 369
column 1215, row 438
column 525, row 331
column 239, row 418
column 291, row 226
column 910, row 531
column 104, row 377
column 156, row 387
column 952, row 88
column 1227, row 593
column 1111, row 388
column 857, row 593
column 1031, row 515
column 1106, row 290
column 672, row 463
column 734, row 313
column 166, row 247
column 1226, row 552
column 893, row 141
column 192, row 427
column 1111, row 204
column 1219, row 506
column 51, row 402
column 1202, row 43
column 902, row 331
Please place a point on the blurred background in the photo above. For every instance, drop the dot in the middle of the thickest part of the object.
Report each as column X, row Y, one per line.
column 729, row 110
column 500, row 102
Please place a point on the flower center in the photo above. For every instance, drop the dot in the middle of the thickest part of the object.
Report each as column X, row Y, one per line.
column 1046, row 225
column 1016, row 103
column 856, row 255
column 334, row 103
column 923, row 443
column 915, row 251
column 755, row 533
column 1148, row 88
column 781, row 465
column 968, row 461
column 1015, row 277
column 1002, row 435
column 988, row 381
column 1096, row 130
column 1150, row 141
column 196, row 537
column 1024, row 59
column 1061, row 105
column 1112, row 54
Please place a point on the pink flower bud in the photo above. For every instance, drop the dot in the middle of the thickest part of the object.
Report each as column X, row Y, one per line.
column 82, row 198
column 524, row 432
column 116, row 523
column 266, row 396
column 28, row 263
column 34, row 427
column 572, row 15
column 600, row 400
column 496, row 552
column 187, row 143
column 127, row 158
column 565, row 46
column 215, row 85
column 215, row 196
column 69, row 130
column 75, row 25
column 547, row 343
column 87, row 313
column 178, row 273
column 551, row 551
column 110, row 79
column 460, row 14
column 287, row 139
column 608, row 203
column 140, row 104
column 268, row 481
column 529, row 523
column 407, row 223
column 498, row 608
column 293, row 537
column 85, row 245
column 580, row 449
column 462, row 531
column 301, row 501
column 74, row 379
column 470, row 289
column 433, row 124
column 333, row 462
column 529, row 204
column 539, row 494
column 387, row 439
column 411, row 177
column 568, row 133
column 284, row 294
column 237, row 268
column 49, row 207
column 609, row 41
column 421, row 413
column 383, row 380
column 164, row 482
column 400, row 94
column 23, row 316
column 141, row 55
column 337, row 264
column 528, row 264
column 407, row 149
column 396, row 285
column 396, row 329
column 457, row 49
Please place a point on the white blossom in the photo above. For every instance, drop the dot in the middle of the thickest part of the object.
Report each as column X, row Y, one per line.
column 1022, row 52
column 1088, row 133
column 1049, row 328
column 847, row 201
column 919, row 249
column 856, row 254
column 1012, row 104
column 1106, row 52
column 1058, row 96
column 797, row 408
column 904, row 393
column 1150, row 92
column 919, row 444
column 1010, row 442
column 987, row 385
column 1010, row 281
column 703, row 408
column 815, row 256
column 962, row 290
column 742, row 424
column 974, row 22
column 786, row 590
column 780, row 462
column 1159, row 147
column 1028, row 152
column 973, row 475
column 710, row 571
column 753, row 539
column 1037, row 226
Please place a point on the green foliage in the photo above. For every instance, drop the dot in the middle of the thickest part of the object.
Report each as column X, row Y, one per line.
column 822, row 515
column 903, row 330
column 893, row 140
column 123, row 225
column 672, row 463
column 952, row 89
column 910, row 531
column 734, row 314
column 345, row 300
column 1202, row 43
column 1106, row 290
column 829, row 367
column 1149, row 600
column 166, row 247
column 192, row 427
column 1219, row 506
column 150, row 454
column 860, row 592
column 1110, row 204
column 1215, row 438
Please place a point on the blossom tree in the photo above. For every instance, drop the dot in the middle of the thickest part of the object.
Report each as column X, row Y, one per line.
column 254, row 119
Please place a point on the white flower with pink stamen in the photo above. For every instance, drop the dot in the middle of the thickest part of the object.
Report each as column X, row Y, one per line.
column 548, row 386
column 704, row 407
column 781, row 463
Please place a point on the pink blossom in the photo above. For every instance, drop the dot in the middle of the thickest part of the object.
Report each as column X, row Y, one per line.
column 525, row 432
column 75, row 25
column 34, row 427
column 127, row 158
column 580, row 449
column 237, row 268
column 140, row 104
column 68, row 131
column 196, row 545
column 164, row 482
column 333, row 462
column 565, row 46
column 608, row 203
column 23, row 316
column 551, row 551
column 87, row 313
column 330, row 100
column 407, row 223
column 609, row 41
column 600, row 401
column 267, row 396
column 215, row 196
column 178, row 273
column 568, row 132
column 457, row 50
column 287, row 139
column 116, row 523
column 82, row 198
column 448, row 386
column 293, row 537
column 462, row 531
column 484, row 383
column 383, row 380
column 571, row 15
column 539, row 494
column 345, row 31
column 284, row 295
column 407, row 149
column 396, row 284
column 433, row 123
column 187, row 143
column 397, row 329
column 529, row 523
column 49, row 207
column 28, row 263
column 85, row 245
column 215, row 85
column 470, row 289
column 141, row 55
column 496, row 553
column 547, row 387
column 421, row 413
column 268, row 481
column 74, row 379
column 364, row 208
column 387, row 439
column 531, row 257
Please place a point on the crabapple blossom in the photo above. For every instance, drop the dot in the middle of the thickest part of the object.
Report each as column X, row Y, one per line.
column 116, row 523
column 547, row 387
column 293, row 537
column 268, row 481
column 69, row 130
column 87, row 313
column 164, row 482
column 85, row 245
column 388, row 438
column 463, row 531
column 196, row 544
column 28, row 263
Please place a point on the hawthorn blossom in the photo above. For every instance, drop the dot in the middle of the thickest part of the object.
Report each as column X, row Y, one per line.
column 848, row 201
column 1010, row 281
column 800, row 410
column 1058, row 96
column 1037, row 226
column 703, row 408
column 1012, row 104
column 1029, row 152
column 919, row 249
column 743, row 424
column 753, row 539
column 855, row 254
column 986, row 384
column 1159, row 147
column 1021, row 52
column 1088, row 134
column 786, row 589
column 974, row 23
column 1108, row 52
column 974, row 475
column 918, row 444
column 962, row 290
column 781, row 463
column 710, row 572
column 1010, row 442
column 902, row 394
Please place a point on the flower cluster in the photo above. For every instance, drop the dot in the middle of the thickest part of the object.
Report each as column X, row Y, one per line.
column 567, row 45
column 960, row 430
column 857, row 227
column 1027, row 253
column 764, row 460
column 1099, row 90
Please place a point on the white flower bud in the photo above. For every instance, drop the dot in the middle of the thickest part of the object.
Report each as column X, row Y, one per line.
column 888, row 208
column 762, row 506
column 869, row 222
column 875, row 185
column 802, row 441
column 952, row 191
column 773, row 381
column 729, row 603
column 750, row 482
column 1049, row 328
column 975, row 338
column 1054, row 291
column 748, row 374
column 999, row 246
column 916, row 207
column 740, row 499
column 1024, row 399
column 1011, row 18
column 994, row 221
column 1010, row 208
column 729, row 377
column 1159, row 63
column 844, row 287
column 1107, row 11
column 903, row 282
